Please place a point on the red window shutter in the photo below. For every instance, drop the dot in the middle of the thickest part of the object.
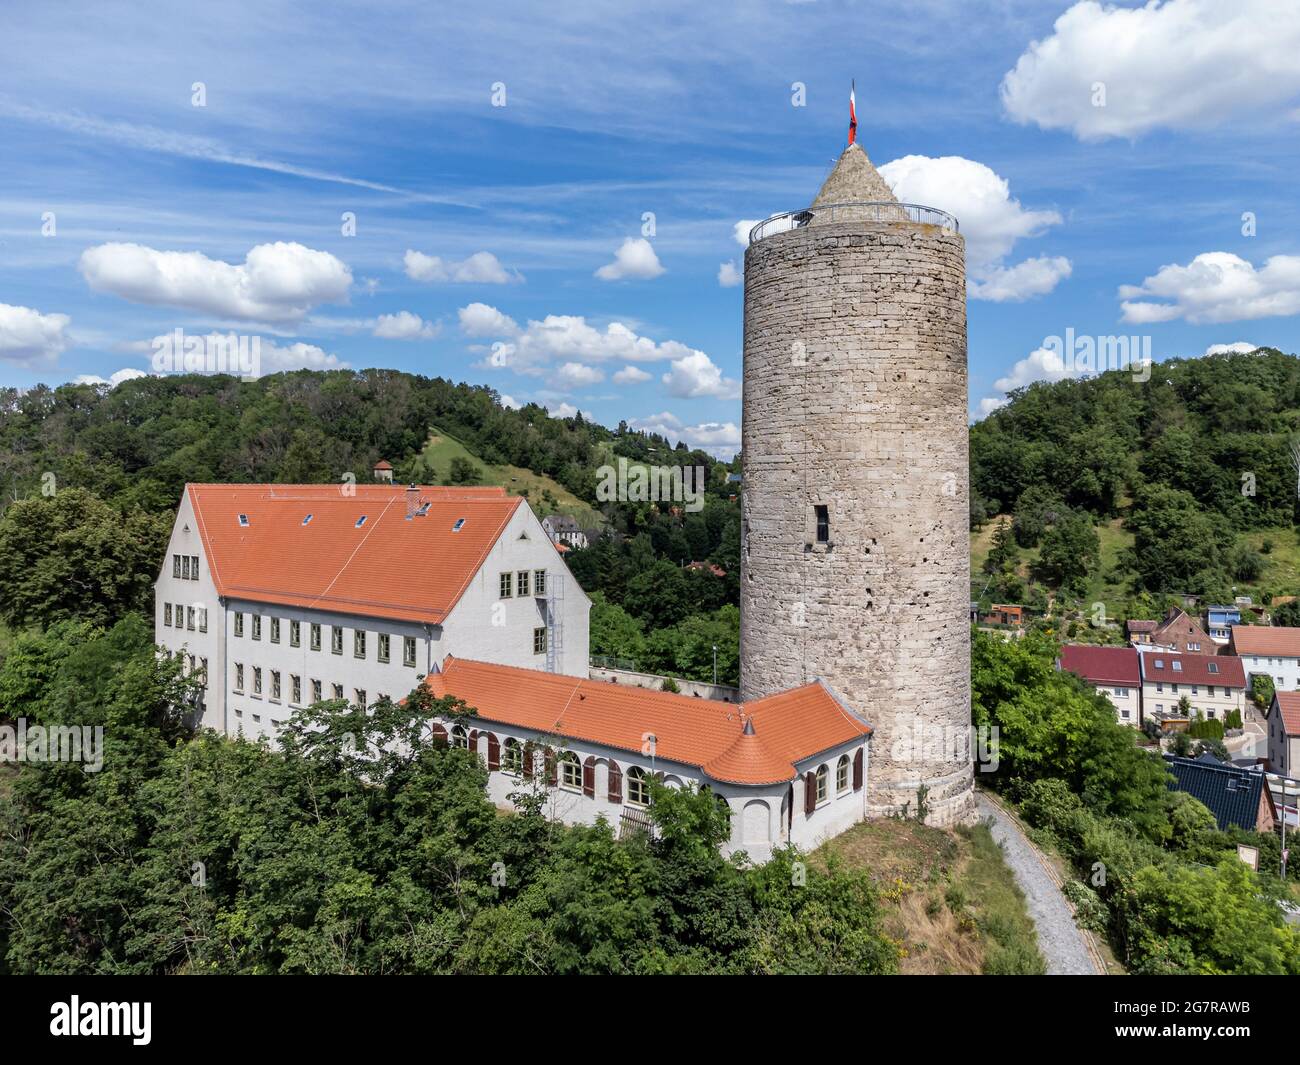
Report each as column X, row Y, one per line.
column 438, row 733
column 549, row 759
column 494, row 751
column 615, row 782
column 473, row 741
column 528, row 761
column 589, row 778
column 809, row 793
column 857, row 770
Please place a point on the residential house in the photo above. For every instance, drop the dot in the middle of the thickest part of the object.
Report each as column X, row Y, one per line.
column 1270, row 650
column 1219, row 621
column 1236, row 796
column 383, row 471
column 1114, row 671
column 562, row 528
column 1213, row 684
column 1139, row 631
column 1176, row 631
column 1005, row 614
column 1284, row 733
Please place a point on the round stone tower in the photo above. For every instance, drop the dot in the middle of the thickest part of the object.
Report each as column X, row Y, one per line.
column 855, row 548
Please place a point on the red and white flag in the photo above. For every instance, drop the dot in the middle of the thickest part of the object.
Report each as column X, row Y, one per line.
column 853, row 114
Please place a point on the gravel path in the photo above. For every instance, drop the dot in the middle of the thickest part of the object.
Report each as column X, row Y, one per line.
column 1059, row 940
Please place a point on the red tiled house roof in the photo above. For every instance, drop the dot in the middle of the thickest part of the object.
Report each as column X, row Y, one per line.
column 1193, row 669
column 1288, row 705
column 1276, row 640
column 1102, row 665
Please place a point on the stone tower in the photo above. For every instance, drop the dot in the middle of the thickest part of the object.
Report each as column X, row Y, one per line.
column 856, row 560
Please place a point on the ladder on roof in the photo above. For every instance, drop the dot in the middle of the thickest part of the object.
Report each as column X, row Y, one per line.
column 554, row 622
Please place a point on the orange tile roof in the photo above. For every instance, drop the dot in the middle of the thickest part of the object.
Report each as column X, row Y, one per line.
column 1288, row 704
column 787, row 727
column 390, row 567
column 1266, row 640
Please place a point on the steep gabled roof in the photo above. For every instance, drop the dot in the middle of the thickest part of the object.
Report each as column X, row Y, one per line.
column 1288, row 705
column 1193, row 669
column 784, row 728
column 390, row 566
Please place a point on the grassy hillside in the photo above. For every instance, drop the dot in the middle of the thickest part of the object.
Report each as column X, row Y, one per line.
column 947, row 897
column 546, row 495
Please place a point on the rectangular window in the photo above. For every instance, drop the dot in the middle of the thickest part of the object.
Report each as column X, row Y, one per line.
column 194, row 567
column 539, row 641
column 167, row 614
column 336, row 640
column 203, row 619
column 257, row 626
column 295, row 634
column 203, row 668
column 507, row 581
column 275, row 684
column 823, row 514
column 315, row 637
column 384, row 646
column 1209, row 690
column 408, row 650
column 295, row 690
column 179, row 615
column 359, row 643
column 539, row 582
column 338, row 691
column 257, row 680
column 522, row 576
column 239, row 623
column 275, row 630
column 239, row 676
column 189, row 618
column 315, row 691
column 185, row 567
column 360, row 693
column 176, row 566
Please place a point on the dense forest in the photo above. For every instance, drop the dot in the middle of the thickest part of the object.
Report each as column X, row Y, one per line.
column 1189, row 475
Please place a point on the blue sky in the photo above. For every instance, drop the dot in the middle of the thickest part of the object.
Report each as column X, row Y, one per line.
column 507, row 244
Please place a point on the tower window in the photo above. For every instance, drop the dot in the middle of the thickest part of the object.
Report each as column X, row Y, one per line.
column 823, row 514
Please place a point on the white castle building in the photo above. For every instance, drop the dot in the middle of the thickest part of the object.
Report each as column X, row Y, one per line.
column 280, row 596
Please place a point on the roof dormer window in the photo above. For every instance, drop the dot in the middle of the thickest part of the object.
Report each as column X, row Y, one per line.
column 1214, row 667
column 307, row 519
column 460, row 524
column 424, row 509
column 1178, row 666
column 1160, row 663
column 243, row 520
column 360, row 521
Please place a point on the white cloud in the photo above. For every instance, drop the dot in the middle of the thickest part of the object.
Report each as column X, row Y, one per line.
column 635, row 259
column 1042, row 364
column 1240, row 347
column 1010, row 284
column 277, row 282
column 127, row 373
column 1179, row 64
column 721, row 439
column 740, row 231
column 631, row 375
column 991, row 403
column 728, row 275
column 510, row 403
column 297, row 356
column 405, row 326
column 991, row 221
column 695, row 375
column 480, row 320
column 562, row 337
column 572, row 375
column 482, row 268
column 1216, row 286
column 29, row 337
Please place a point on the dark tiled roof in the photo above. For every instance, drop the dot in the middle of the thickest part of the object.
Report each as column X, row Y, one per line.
column 1231, row 794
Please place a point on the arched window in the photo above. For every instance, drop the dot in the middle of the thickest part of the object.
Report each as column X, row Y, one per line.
column 512, row 760
column 570, row 771
column 823, row 783
column 842, row 774
column 458, row 738
column 724, row 806
column 638, row 787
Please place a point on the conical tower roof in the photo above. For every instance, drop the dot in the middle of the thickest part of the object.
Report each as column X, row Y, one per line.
column 854, row 180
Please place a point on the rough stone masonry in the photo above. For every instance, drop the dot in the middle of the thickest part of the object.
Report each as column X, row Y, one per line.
column 855, row 402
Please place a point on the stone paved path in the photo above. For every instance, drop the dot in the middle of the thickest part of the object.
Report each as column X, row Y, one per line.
column 1060, row 941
